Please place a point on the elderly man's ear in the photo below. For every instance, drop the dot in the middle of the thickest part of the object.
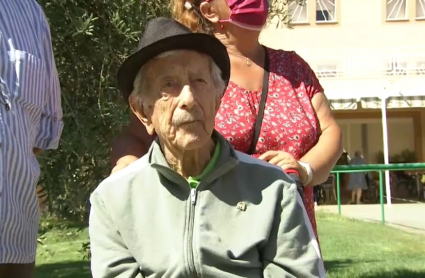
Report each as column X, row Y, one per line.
column 218, row 104
column 138, row 110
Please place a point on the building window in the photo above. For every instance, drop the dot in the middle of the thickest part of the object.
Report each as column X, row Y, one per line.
column 420, row 70
column 325, row 10
column 397, row 69
column 420, row 9
column 396, row 9
column 298, row 12
column 327, row 71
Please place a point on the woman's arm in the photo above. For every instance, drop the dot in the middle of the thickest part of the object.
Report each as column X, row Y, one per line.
column 131, row 144
column 324, row 155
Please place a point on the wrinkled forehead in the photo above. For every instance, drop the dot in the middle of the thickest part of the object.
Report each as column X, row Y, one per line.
column 179, row 60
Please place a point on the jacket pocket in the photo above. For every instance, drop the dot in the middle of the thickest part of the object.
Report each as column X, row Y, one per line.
column 29, row 86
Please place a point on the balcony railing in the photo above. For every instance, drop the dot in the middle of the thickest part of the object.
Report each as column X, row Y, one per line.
column 366, row 63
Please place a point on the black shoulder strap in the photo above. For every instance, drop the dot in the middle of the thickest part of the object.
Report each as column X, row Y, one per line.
column 259, row 120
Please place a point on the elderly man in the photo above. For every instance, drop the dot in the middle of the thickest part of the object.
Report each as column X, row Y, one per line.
column 30, row 122
column 192, row 206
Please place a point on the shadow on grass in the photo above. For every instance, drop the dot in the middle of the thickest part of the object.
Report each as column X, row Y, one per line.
column 409, row 228
column 397, row 273
column 341, row 264
column 336, row 265
column 79, row 269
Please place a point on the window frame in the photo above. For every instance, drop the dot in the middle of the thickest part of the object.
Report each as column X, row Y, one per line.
column 406, row 12
column 418, row 6
column 307, row 17
column 336, row 14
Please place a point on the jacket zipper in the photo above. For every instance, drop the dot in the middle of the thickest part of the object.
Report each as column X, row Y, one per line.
column 192, row 267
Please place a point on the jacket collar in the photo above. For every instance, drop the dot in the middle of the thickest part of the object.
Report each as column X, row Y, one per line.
column 226, row 161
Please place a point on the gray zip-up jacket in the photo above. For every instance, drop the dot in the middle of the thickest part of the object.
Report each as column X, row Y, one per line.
column 245, row 219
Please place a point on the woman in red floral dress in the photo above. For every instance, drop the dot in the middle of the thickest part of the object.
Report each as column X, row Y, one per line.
column 297, row 124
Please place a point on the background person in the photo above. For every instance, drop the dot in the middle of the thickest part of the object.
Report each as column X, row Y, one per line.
column 357, row 182
column 30, row 122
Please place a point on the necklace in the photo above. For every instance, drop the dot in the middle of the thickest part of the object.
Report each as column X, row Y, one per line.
column 248, row 62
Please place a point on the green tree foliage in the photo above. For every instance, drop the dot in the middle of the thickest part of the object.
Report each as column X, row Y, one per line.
column 90, row 40
column 279, row 11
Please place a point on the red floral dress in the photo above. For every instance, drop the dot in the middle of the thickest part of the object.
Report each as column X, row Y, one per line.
column 289, row 124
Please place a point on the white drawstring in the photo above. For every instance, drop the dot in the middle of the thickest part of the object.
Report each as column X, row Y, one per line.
column 188, row 5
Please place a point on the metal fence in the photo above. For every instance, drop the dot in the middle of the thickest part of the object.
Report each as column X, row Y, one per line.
column 380, row 168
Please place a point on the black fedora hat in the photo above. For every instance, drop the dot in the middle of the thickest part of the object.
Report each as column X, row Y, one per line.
column 162, row 35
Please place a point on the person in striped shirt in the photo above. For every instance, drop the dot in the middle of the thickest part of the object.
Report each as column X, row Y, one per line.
column 30, row 122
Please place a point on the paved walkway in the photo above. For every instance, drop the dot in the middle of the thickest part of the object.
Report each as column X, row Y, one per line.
column 409, row 217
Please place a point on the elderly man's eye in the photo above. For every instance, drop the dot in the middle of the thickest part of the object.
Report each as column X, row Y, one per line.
column 168, row 84
column 201, row 80
column 164, row 95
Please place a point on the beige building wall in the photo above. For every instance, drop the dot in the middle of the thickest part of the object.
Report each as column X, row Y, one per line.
column 360, row 24
column 422, row 139
column 360, row 33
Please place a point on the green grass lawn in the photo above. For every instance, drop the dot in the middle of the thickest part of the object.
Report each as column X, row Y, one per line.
column 350, row 248
column 60, row 254
column 368, row 250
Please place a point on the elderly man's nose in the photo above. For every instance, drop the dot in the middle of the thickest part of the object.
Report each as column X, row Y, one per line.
column 186, row 97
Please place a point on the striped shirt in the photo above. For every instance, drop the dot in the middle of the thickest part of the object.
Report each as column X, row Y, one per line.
column 30, row 117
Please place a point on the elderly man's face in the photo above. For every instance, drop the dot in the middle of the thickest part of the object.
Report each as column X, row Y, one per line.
column 183, row 110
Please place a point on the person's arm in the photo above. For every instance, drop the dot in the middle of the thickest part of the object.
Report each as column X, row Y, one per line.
column 110, row 257
column 324, row 155
column 131, row 144
column 51, row 125
column 292, row 249
column 37, row 151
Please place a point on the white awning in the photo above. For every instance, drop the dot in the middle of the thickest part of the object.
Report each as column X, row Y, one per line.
column 406, row 102
column 394, row 102
column 345, row 94
column 343, row 104
column 352, row 88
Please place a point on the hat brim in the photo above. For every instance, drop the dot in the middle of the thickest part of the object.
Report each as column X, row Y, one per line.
column 202, row 43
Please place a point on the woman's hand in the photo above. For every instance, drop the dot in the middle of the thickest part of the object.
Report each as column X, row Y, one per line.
column 123, row 162
column 119, row 167
column 285, row 161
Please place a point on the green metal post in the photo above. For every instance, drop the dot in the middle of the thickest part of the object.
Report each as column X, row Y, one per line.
column 381, row 196
column 338, row 192
column 372, row 168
